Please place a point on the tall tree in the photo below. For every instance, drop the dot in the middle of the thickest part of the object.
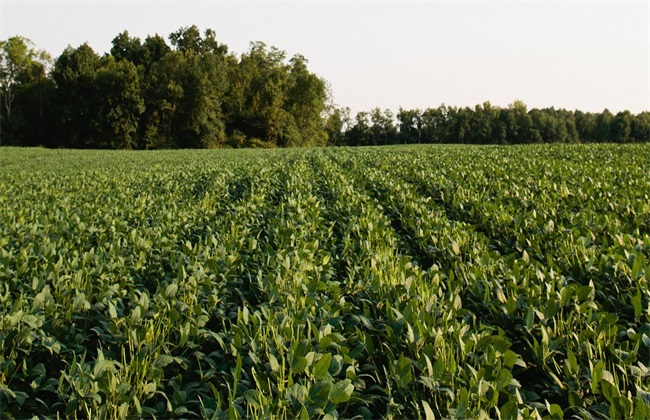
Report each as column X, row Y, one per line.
column 602, row 130
column 120, row 104
column 621, row 127
column 410, row 125
column 482, row 121
column 76, row 96
column 189, row 39
column 127, row 48
column 585, row 125
column 383, row 127
column 460, row 124
column 522, row 129
column 337, row 123
column 184, row 90
column 360, row 133
column 20, row 65
column 256, row 102
column 641, row 128
column 306, row 102
column 436, row 125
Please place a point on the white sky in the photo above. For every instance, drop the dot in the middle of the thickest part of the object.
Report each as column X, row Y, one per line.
column 586, row 55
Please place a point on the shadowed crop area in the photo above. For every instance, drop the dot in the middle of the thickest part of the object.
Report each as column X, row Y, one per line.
column 393, row 282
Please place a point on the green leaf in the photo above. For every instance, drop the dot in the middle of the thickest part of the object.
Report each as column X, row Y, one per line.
column 501, row 344
column 404, row 371
column 463, row 402
column 163, row 360
column 336, row 365
column 572, row 362
column 341, row 391
column 509, row 359
column 610, row 392
column 170, row 290
column 149, row 388
column 319, row 391
column 112, row 311
column 332, row 415
column 253, row 398
column 555, row 411
column 428, row 412
column 298, row 392
column 503, row 379
column 641, row 411
column 646, row 340
column 596, row 376
column 299, row 364
column 636, row 303
column 322, row 366
column 273, row 362
column 509, row 411
column 304, row 414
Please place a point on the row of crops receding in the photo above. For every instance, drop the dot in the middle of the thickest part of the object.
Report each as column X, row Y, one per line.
column 399, row 282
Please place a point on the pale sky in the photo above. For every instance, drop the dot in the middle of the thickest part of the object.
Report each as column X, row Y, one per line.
column 586, row 55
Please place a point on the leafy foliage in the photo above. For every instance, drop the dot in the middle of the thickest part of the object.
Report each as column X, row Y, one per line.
column 193, row 93
column 151, row 95
column 413, row 281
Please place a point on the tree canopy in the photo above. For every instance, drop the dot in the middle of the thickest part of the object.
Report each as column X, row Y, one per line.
column 189, row 91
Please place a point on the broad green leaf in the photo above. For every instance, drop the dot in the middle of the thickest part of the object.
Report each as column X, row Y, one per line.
column 341, row 391
column 322, row 366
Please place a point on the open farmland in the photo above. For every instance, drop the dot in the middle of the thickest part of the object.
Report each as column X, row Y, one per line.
column 433, row 281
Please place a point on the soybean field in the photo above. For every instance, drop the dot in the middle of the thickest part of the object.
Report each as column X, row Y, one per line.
column 394, row 282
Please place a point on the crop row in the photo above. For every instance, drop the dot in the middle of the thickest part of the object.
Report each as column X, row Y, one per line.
column 409, row 282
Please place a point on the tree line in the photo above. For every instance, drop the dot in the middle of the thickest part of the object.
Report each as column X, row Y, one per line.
column 485, row 124
column 189, row 91
column 151, row 94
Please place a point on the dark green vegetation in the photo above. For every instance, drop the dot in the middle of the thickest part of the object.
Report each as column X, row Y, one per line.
column 486, row 124
column 151, row 95
column 195, row 94
column 398, row 282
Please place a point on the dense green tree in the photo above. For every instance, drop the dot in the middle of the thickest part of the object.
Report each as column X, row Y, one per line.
column 128, row 49
column 76, row 97
column 184, row 90
column 337, row 124
column 200, row 121
column 21, row 67
column 545, row 126
column 272, row 100
column 436, row 125
column 522, row 130
column 460, row 124
column 602, row 129
column 554, row 126
column 306, row 102
column 585, row 125
column 163, row 93
column 189, row 40
column 120, row 104
column 383, row 129
column 193, row 93
column 482, row 121
column 621, row 127
column 570, row 123
column 33, row 114
column 410, row 125
column 641, row 128
column 360, row 133
column 154, row 49
column 257, row 95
